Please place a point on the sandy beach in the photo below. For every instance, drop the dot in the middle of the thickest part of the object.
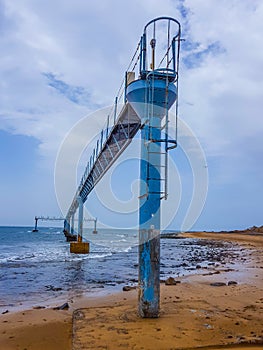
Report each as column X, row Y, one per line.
column 219, row 308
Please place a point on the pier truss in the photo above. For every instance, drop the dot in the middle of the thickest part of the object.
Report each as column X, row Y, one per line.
column 105, row 154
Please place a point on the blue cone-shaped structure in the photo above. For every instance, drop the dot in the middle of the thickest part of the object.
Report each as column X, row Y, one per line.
column 153, row 93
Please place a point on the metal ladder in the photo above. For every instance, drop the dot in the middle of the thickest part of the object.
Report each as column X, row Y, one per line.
column 160, row 169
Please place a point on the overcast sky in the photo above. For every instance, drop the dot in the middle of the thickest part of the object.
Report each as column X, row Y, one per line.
column 62, row 60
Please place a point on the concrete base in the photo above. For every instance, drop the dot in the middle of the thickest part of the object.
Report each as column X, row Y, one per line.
column 79, row 247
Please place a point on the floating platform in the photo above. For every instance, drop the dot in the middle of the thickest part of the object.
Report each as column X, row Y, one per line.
column 79, row 247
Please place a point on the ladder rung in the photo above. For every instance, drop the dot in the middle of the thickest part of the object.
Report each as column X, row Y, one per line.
column 164, row 196
column 155, row 165
column 156, row 192
column 157, row 152
column 143, row 195
column 151, row 141
column 146, row 194
column 152, row 178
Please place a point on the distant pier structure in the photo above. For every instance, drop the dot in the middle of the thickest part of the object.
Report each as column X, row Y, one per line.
column 149, row 90
column 70, row 236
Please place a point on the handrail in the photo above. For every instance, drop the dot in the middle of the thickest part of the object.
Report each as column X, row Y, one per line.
column 163, row 18
column 167, row 72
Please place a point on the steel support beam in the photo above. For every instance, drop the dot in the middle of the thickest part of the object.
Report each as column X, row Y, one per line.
column 72, row 223
column 80, row 219
column 95, row 226
column 36, row 228
column 68, row 224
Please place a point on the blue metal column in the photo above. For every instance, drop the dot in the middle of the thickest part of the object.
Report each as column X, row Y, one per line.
column 149, row 220
column 67, row 224
column 150, row 99
column 72, row 223
column 80, row 221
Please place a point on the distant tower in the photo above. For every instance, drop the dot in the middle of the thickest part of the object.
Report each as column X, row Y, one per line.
column 151, row 96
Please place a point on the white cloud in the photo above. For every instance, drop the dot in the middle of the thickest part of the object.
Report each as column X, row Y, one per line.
column 225, row 90
column 83, row 44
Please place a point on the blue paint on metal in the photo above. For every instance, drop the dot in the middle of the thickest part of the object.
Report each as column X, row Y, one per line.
column 138, row 91
column 149, row 294
column 141, row 99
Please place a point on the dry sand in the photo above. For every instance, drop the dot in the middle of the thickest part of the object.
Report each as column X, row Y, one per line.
column 194, row 314
column 36, row 330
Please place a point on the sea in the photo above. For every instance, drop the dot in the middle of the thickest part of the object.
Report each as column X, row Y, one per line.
column 37, row 268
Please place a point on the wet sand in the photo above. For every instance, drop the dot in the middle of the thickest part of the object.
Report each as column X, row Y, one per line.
column 194, row 313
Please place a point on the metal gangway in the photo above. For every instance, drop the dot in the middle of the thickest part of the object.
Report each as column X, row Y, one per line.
column 149, row 89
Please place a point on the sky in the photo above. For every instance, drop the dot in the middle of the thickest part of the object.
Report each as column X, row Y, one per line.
column 64, row 60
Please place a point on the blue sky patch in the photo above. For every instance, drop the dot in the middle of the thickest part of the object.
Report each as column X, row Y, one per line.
column 182, row 8
column 76, row 94
column 195, row 59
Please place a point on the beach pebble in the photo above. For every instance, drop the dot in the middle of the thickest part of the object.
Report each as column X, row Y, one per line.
column 65, row 306
column 128, row 288
column 5, row 312
column 217, row 284
column 170, row 281
column 231, row 283
column 52, row 288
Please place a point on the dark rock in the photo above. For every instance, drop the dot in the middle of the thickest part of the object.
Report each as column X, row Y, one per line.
column 52, row 288
column 128, row 288
column 5, row 312
column 65, row 306
column 232, row 283
column 133, row 280
column 38, row 307
column 198, row 267
column 217, row 284
column 170, row 281
column 172, row 235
